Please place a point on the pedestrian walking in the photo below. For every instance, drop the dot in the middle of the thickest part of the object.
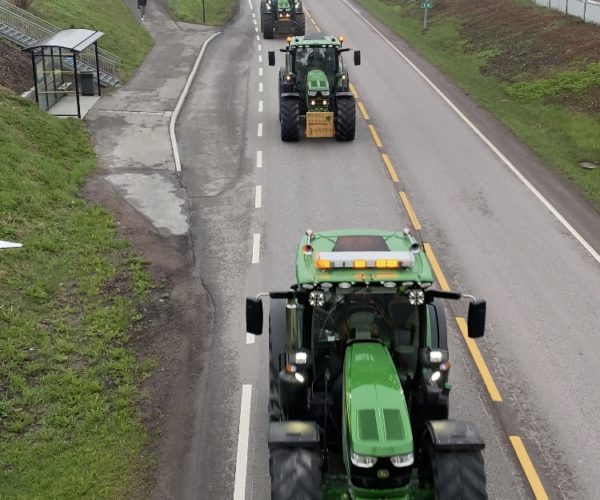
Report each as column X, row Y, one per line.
column 142, row 7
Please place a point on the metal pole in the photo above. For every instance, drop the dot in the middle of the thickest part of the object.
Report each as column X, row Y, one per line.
column 203, row 13
column 45, row 80
column 584, row 8
column 76, row 84
column 34, row 64
column 97, row 68
column 425, row 19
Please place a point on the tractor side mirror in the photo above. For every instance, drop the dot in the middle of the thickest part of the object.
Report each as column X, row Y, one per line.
column 254, row 316
column 476, row 319
column 357, row 58
column 271, row 58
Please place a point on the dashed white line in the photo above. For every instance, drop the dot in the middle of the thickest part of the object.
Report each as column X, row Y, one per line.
column 256, row 248
column 251, row 6
column 254, row 21
column 259, row 159
column 257, row 37
column 256, row 28
column 259, row 59
column 258, row 197
column 260, row 70
column 260, row 86
column 250, row 338
column 253, row 14
column 239, row 489
column 260, row 106
column 259, row 130
column 259, row 47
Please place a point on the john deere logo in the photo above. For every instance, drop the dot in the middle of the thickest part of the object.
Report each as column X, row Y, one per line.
column 383, row 474
column 328, row 118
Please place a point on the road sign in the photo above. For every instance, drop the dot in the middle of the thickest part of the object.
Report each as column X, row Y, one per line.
column 426, row 5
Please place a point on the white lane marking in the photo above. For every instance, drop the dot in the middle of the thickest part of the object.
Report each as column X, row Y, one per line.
column 259, row 130
column 257, row 37
column 253, row 14
column 259, row 159
column 250, row 338
column 260, row 106
column 254, row 21
column 256, row 248
column 259, row 47
column 241, row 465
column 260, row 70
column 260, row 86
column 251, row 6
column 259, row 59
column 258, row 197
column 180, row 101
column 486, row 141
column 256, row 28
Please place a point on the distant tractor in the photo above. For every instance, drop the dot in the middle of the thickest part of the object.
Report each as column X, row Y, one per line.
column 314, row 87
column 281, row 16
column 358, row 375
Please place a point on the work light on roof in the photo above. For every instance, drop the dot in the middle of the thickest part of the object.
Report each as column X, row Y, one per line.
column 316, row 298
column 416, row 297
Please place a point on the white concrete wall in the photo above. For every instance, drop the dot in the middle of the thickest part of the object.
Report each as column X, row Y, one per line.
column 588, row 10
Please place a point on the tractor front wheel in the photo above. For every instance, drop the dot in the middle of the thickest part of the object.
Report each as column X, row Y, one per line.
column 267, row 24
column 345, row 118
column 289, row 114
column 453, row 474
column 295, row 474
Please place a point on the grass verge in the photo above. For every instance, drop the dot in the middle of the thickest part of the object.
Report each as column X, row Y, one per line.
column 123, row 34
column 211, row 12
column 537, row 109
column 69, row 427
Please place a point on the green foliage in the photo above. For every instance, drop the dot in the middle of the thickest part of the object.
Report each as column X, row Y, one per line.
column 68, row 301
column 123, row 34
column 212, row 12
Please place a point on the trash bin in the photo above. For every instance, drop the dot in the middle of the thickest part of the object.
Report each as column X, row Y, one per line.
column 86, row 82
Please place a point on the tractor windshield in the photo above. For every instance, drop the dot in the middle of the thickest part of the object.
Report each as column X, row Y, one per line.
column 323, row 58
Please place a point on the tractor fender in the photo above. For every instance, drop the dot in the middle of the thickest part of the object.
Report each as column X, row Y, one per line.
column 344, row 94
column 293, row 434
column 290, row 95
column 453, row 435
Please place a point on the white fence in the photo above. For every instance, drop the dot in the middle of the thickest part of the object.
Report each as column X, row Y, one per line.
column 588, row 10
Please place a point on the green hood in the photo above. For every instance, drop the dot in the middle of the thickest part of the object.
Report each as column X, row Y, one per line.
column 376, row 412
column 316, row 80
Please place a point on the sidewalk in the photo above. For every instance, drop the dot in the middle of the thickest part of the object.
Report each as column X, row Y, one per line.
column 130, row 126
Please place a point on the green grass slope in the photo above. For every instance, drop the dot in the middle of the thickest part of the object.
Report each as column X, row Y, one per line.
column 123, row 34
column 69, row 427
column 213, row 12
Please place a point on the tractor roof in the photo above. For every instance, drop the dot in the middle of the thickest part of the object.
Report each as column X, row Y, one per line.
column 361, row 256
column 315, row 41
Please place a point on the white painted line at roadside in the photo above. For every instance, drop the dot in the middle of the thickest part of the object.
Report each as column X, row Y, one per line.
column 260, row 72
column 259, row 59
column 259, row 159
column 250, row 338
column 182, row 97
column 260, row 106
column 251, row 6
column 254, row 21
column 259, row 47
column 259, row 130
column 260, row 86
column 258, row 197
column 486, row 141
column 241, row 465
column 257, row 37
column 256, row 248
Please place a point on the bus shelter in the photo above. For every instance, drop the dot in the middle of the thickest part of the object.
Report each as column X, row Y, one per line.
column 66, row 73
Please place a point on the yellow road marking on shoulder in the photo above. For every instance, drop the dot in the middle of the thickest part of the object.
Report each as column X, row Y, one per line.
column 390, row 167
column 437, row 270
column 479, row 361
column 363, row 110
column 313, row 21
column 375, row 136
column 353, row 90
column 410, row 212
column 317, row 28
column 528, row 468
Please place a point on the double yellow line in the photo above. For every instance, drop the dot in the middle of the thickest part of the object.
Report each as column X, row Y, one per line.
column 516, row 442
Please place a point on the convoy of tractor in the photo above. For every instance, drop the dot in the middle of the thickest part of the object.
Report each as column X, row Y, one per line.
column 358, row 375
column 281, row 16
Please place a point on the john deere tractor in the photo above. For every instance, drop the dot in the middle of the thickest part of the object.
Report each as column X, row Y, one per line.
column 358, row 375
column 281, row 16
column 314, row 87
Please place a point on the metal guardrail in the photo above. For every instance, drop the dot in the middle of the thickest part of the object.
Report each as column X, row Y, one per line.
column 39, row 29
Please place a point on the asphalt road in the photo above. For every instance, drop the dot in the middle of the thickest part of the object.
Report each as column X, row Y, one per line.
column 252, row 196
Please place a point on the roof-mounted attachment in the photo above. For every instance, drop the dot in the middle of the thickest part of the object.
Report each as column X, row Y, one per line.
column 341, row 39
column 364, row 260
column 308, row 248
column 415, row 246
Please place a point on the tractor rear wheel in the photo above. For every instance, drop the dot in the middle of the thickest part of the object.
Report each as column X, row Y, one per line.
column 289, row 114
column 276, row 348
column 295, row 474
column 345, row 118
column 453, row 474
column 267, row 26
column 300, row 25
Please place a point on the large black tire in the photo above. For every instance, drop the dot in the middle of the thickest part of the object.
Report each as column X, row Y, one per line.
column 289, row 114
column 345, row 118
column 295, row 474
column 276, row 347
column 300, row 25
column 453, row 475
column 267, row 23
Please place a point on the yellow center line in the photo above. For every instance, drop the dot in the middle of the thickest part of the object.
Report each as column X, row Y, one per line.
column 410, row 212
column 353, row 90
column 390, row 167
column 317, row 28
column 479, row 361
column 375, row 136
column 363, row 110
column 313, row 21
column 437, row 270
column 530, row 472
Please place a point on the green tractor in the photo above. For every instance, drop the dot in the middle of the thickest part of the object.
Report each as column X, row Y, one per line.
column 358, row 375
column 281, row 16
column 314, row 86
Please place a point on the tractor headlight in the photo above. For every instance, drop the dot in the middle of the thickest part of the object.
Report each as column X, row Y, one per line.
column 316, row 298
column 362, row 461
column 436, row 357
column 402, row 460
column 435, row 376
column 416, row 297
column 325, row 102
column 268, row 6
column 313, row 102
